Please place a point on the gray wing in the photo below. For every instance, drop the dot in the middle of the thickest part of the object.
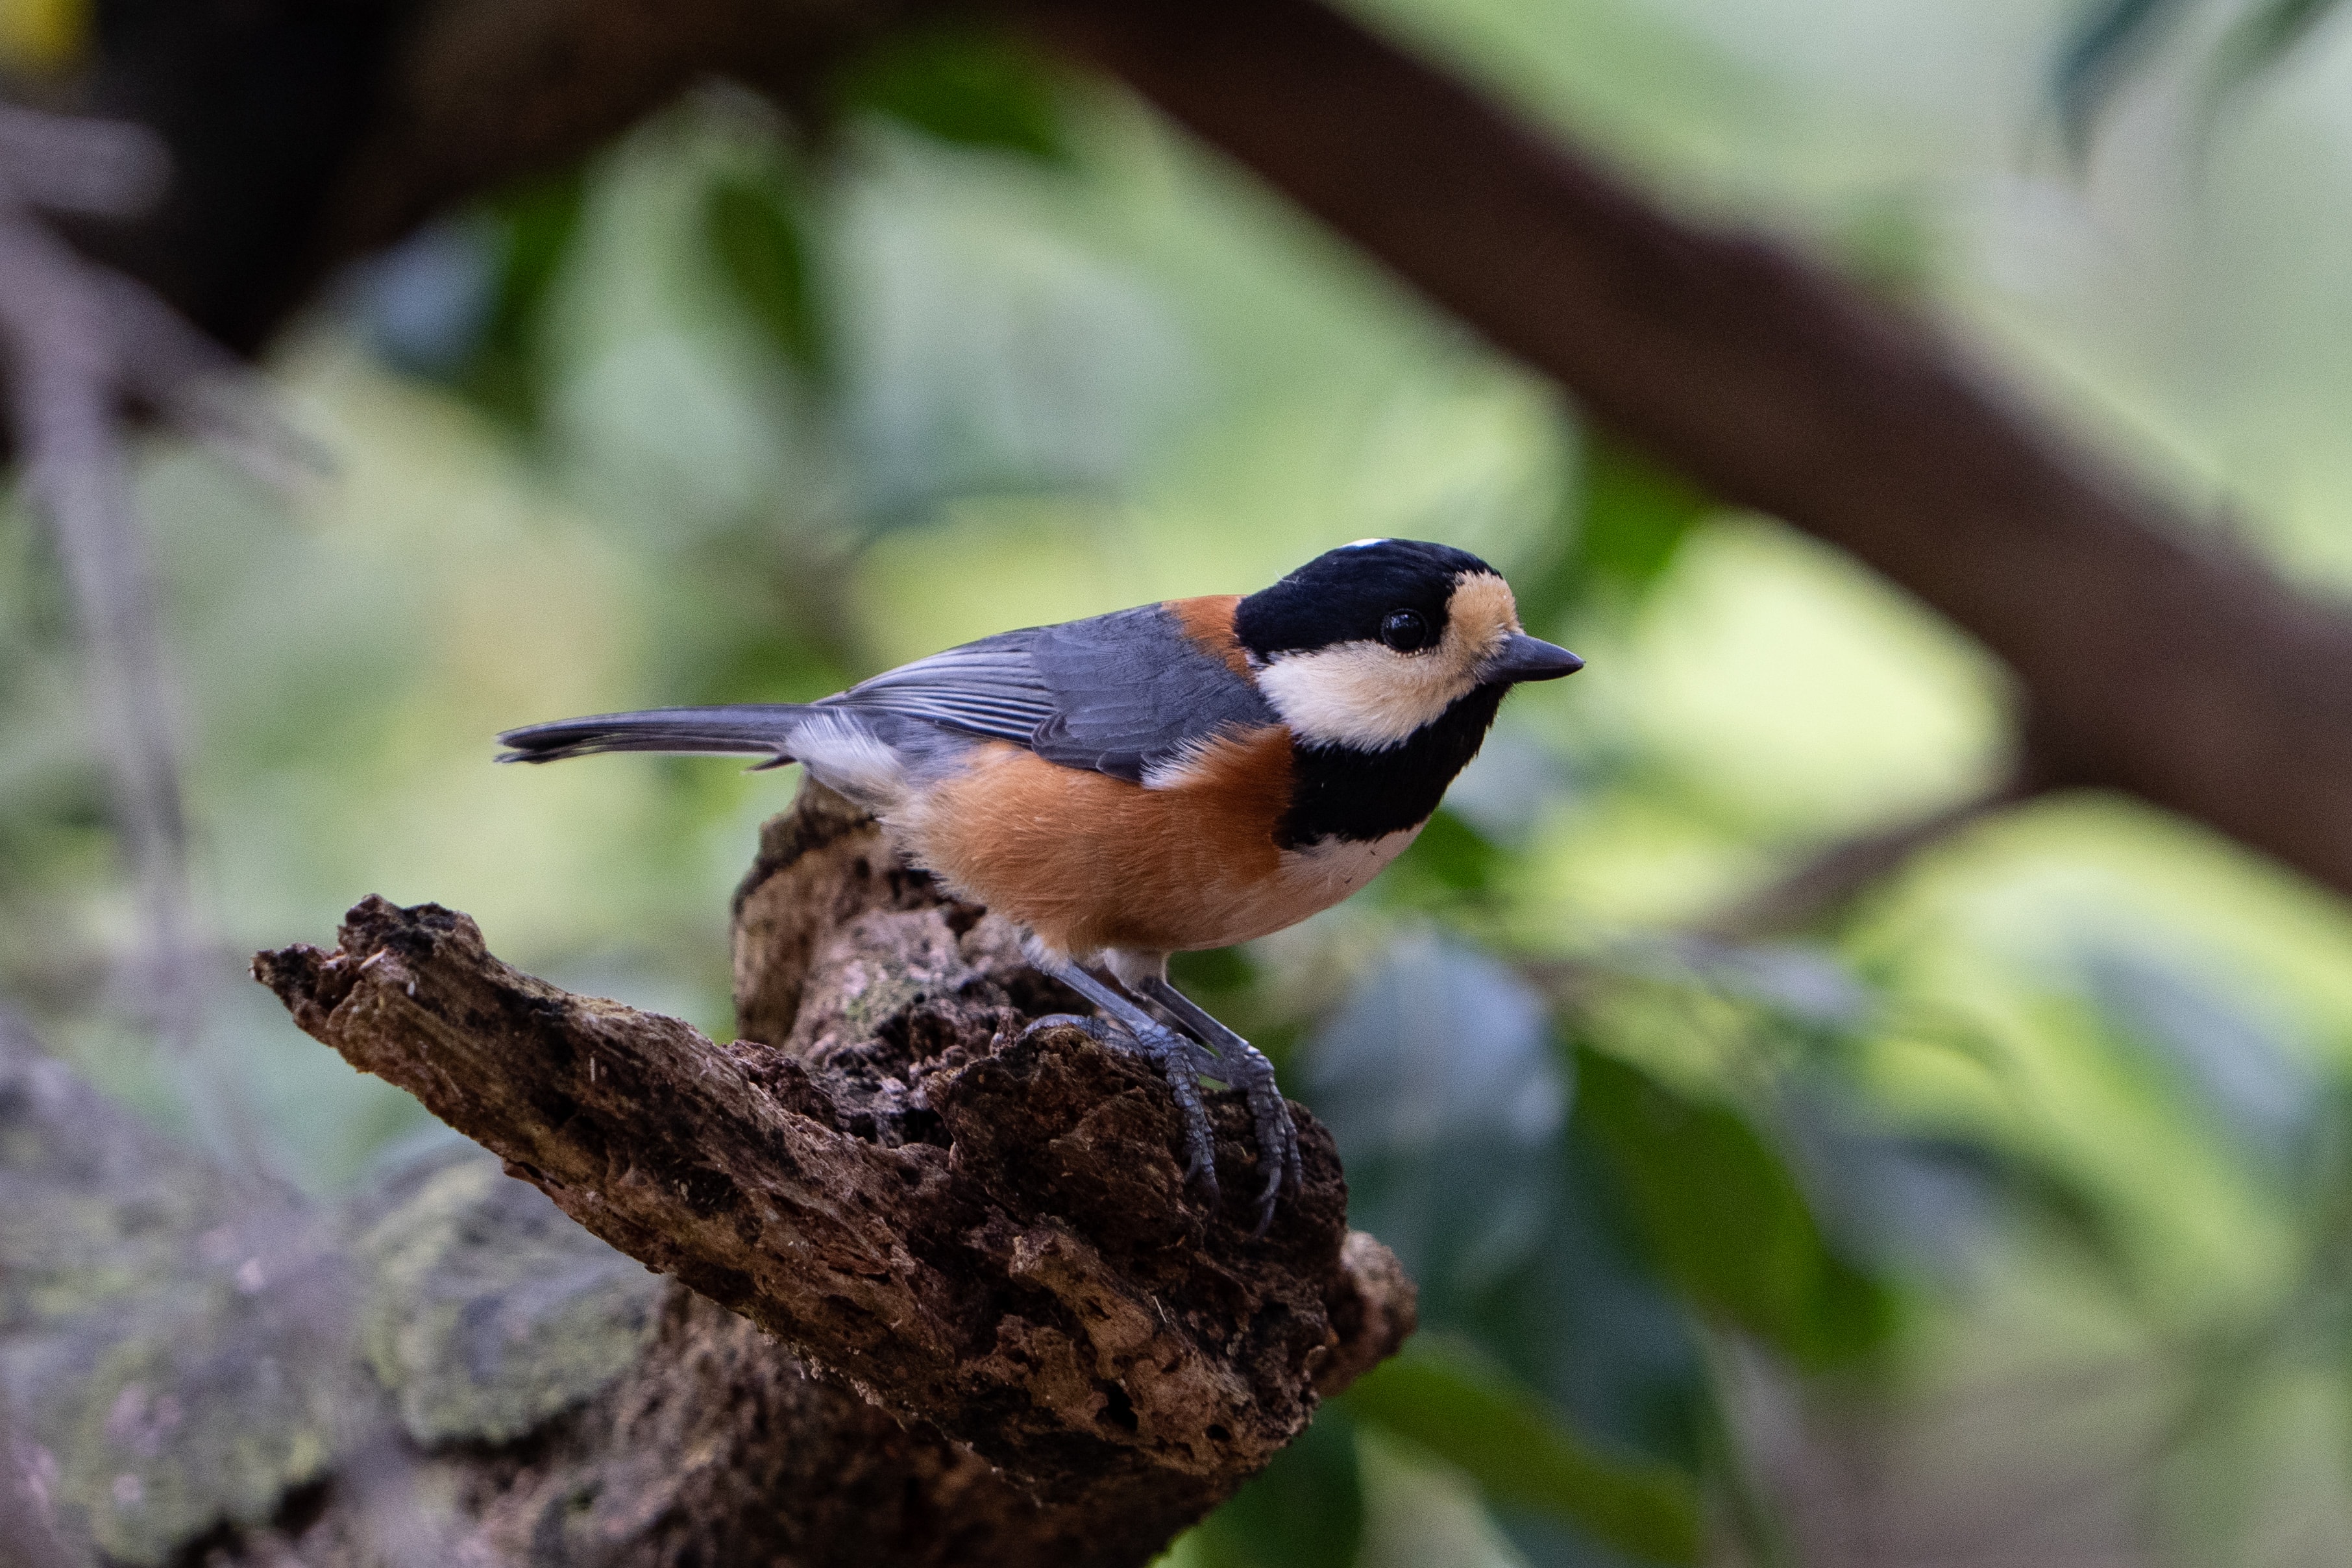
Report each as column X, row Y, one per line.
column 1113, row 693
column 988, row 688
column 1131, row 689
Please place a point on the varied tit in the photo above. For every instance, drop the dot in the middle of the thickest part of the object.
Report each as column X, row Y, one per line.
column 1188, row 775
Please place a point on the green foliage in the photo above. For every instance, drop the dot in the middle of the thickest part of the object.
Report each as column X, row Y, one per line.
column 1306, row 1511
column 1452, row 862
column 2115, row 35
column 1723, row 1218
column 762, row 246
column 2112, row 37
column 969, row 86
column 1628, row 517
column 1636, row 513
column 2262, row 38
column 1444, row 1397
column 534, row 227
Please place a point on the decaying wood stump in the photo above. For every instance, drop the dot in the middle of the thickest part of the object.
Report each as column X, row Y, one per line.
column 973, row 1314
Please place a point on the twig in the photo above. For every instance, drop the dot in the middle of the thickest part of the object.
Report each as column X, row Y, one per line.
column 1829, row 880
column 25, row 1524
column 79, row 340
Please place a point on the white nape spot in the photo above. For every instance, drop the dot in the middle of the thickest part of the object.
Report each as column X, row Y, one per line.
column 844, row 756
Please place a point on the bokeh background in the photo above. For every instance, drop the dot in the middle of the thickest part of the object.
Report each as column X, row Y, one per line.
column 2000, row 1213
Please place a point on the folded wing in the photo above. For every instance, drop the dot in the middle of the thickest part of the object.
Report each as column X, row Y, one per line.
column 1116, row 694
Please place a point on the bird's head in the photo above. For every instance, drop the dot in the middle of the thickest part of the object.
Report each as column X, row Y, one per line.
column 1367, row 645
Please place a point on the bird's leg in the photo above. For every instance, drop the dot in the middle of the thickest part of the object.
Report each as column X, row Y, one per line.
column 1244, row 1067
column 1160, row 1045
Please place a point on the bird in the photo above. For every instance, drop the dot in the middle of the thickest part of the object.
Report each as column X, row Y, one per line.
column 1182, row 775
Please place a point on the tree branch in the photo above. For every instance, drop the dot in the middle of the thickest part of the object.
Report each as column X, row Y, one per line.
column 974, row 1216
column 1824, row 885
column 79, row 342
column 305, row 136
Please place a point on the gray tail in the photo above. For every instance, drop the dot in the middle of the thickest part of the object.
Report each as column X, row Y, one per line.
column 748, row 730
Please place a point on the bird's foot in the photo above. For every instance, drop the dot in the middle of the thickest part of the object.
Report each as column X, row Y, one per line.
column 1179, row 1066
column 1245, row 1067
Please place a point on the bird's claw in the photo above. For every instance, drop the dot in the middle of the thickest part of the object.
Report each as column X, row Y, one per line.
column 1277, row 1145
column 1182, row 1062
column 1247, row 1069
column 1171, row 1053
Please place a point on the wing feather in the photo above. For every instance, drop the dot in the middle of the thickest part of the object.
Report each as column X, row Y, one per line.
column 1114, row 694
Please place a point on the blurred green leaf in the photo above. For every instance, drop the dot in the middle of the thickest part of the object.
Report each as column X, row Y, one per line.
column 2112, row 35
column 1629, row 517
column 1724, row 1219
column 1449, row 1400
column 971, row 86
column 756, row 236
column 536, row 224
column 2262, row 38
column 1450, row 861
column 1886, row 242
column 1306, row 1511
column 2234, row 1060
column 1636, row 511
column 2038, row 1189
column 2117, row 34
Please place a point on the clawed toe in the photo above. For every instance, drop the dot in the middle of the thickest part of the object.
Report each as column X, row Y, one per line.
column 1171, row 1053
column 1277, row 1149
column 1207, row 1047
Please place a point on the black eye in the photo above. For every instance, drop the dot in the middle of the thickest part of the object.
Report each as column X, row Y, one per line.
column 1405, row 631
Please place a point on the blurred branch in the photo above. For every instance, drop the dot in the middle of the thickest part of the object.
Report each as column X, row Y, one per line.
column 80, row 343
column 25, row 1519
column 304, row 135
column 1830, row 880
column 975, row 1219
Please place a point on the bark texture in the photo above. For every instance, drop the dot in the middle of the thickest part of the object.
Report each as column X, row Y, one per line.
column 970, row 1215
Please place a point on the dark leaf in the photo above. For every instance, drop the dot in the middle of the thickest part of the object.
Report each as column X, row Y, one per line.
column 1723, row 1218
column 2112, row 37
column 1630, row 515
column 2262, row 38
column 969, row 86
column 536, row 224
column 1450, row 861
column 1442, row 1079
column 1306, row 1511
column 1452, row 1402
column 757, row 240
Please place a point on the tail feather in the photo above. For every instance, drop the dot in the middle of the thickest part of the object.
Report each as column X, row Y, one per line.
column 754, row 729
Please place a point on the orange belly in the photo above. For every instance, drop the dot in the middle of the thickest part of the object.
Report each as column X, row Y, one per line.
column 1089, row 862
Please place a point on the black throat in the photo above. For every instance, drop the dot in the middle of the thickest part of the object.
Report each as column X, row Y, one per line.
column 1337, row 792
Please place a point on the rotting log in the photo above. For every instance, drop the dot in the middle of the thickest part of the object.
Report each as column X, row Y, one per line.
column 961, row 1217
